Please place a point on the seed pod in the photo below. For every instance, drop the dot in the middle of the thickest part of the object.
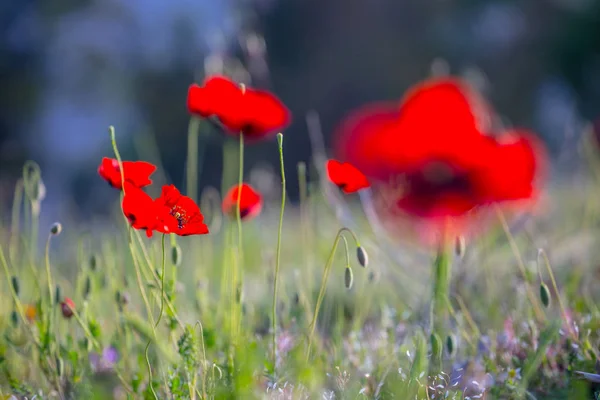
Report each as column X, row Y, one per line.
column 15, row 284
column 348, row 278
column 363, row 257
column 450, row 344
column 93, row 262
column 176, row 255
column 459, row 246
column 56, row 228
column 545, row 295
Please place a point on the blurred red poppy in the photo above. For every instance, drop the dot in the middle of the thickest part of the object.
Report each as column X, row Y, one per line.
column 66, row 307
column 135, row 172
column 346, row 176
column 434, row 156
column 179, row 213
column 250, row 202
column 255, row 113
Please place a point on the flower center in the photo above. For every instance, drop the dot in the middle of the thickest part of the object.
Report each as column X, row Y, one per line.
column 437, row 178
column 180, row 216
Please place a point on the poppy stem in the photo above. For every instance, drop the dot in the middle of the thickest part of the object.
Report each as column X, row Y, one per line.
column 162, row 282
column 192, row 159
column 324, row 279
column 439, row 306
column 278, row 250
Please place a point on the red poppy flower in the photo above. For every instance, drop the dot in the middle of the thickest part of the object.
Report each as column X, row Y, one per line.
column 66, row 307
column 135, row 172
column 179, row 213
column 250, row 202
column 143, row 212
column 433, row 156
column 255, row 113
column 346, row 176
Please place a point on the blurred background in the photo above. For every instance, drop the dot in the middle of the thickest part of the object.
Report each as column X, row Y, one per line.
column 71, row 68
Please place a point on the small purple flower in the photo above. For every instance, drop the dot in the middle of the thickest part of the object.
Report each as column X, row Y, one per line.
column 105, row 362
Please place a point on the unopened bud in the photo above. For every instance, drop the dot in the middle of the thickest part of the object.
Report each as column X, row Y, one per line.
column 87, row 288
column 545, row 295
column 176, row 255
column 57, row 295
column 459, row 246
column 436, row 345
column 67, row 307
column 56, row 228
column 363, row 257
column 15, row 285
column 60, row 366
column 450, row 344
column 14, row 317
column 93, row 262
column 348, row 278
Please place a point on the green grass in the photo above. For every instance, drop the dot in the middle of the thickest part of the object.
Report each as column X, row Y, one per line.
column 372, row 340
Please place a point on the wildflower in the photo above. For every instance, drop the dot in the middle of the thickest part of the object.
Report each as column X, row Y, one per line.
column 346, row 176
column 104, row 362
column 433, row 158
column 141, row 211
column 67, row 306
column 30, row 312
column 170, row 213
column 240, row 110
column 179, row 213
column 136, row 173
column 250, row 202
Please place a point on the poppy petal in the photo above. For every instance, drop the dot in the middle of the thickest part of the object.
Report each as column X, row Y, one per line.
column 346, row 176
column 250, row 202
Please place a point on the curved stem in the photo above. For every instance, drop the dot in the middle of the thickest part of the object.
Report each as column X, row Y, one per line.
column 278, row 251
column 540, row 316
column 324, row 279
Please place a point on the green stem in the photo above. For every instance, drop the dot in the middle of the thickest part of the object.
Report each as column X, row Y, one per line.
column 323, row 288
column 439, row 306
column 441, row 285
column 278, row 251
column 162, row 282
column 192, row 158
column 238, row 266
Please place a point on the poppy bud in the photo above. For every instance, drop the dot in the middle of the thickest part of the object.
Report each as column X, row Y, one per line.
column 60, row 366
column 436, row 345
column 363, row 257
column 238, row 294
column 87, row 288
column 67, row 307
column 450, row 344
column 545, row 295
column 459, row 246
column 93, row 262
column 56, row 229
column 57, row 294
column 15, row 284
column 176, row 255
column 348, row 278
column 14, row 317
